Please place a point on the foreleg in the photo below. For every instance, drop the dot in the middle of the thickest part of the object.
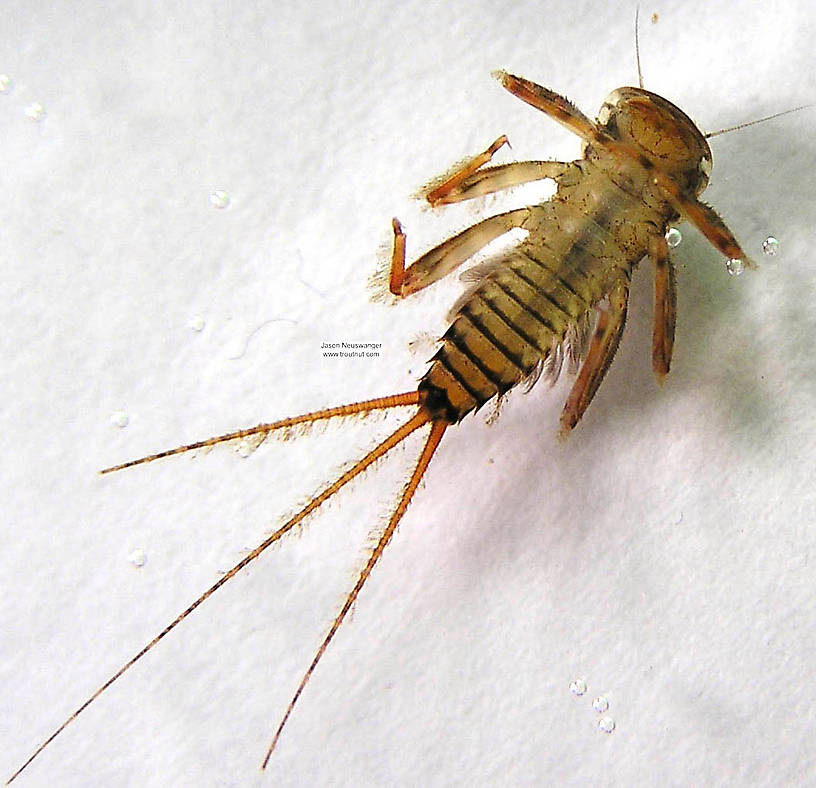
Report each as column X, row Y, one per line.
column 556, row 106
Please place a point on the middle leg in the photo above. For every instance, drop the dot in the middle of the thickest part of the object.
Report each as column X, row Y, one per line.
column 441, row 260
column 503, row 176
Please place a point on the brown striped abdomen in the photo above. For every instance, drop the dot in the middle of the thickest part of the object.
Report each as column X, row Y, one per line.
column 581, row 243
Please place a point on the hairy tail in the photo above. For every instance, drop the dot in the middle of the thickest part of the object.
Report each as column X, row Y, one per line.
column 437, row 431
column 381, row 403
column 419, row 419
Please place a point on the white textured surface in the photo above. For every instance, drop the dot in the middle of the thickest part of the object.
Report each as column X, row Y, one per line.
column 662, row 553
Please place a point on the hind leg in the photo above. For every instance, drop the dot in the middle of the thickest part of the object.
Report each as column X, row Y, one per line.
column 665, row 307
column 602, row 349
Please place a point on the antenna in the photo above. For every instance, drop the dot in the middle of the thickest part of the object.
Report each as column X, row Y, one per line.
column 754, row 122
column 637, row 47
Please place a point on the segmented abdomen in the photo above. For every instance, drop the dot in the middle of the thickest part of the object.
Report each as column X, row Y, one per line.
column 543, row 294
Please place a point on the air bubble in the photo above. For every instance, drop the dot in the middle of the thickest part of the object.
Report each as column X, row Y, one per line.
column 673, row 237
column 35, row 111
column 770, row 245
column 600, row 704
column 119, row 418
column 5, row 83
column 138, row 558
column 606, row 725
column 196, row 323
column 220, row 199
column 578, row 687
column 735, row 266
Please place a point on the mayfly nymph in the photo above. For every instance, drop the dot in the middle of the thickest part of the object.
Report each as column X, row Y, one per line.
column 561, row 295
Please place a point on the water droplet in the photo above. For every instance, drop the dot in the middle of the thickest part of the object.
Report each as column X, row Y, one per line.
column 735, row 266
column 673, row 237
column 119, row 419
column 578, row 687
column 600, row 704
column 220, row 199
column 770, row 245
column 197, row 323
column 5, row 83
column 138, row 558
column 35, row 111
column 606, row 724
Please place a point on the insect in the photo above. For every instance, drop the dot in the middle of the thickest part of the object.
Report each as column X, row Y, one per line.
column 611, row 315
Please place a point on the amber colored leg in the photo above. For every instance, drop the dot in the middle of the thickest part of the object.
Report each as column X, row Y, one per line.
column 665, row 307
column 704, row 218
column 556, row 106
column 504, row 176
column 442, row 259
column 602, row 349
column 436, row 195
column 397, row 258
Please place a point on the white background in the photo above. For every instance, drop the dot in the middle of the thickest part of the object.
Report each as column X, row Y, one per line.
column 662, row 553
